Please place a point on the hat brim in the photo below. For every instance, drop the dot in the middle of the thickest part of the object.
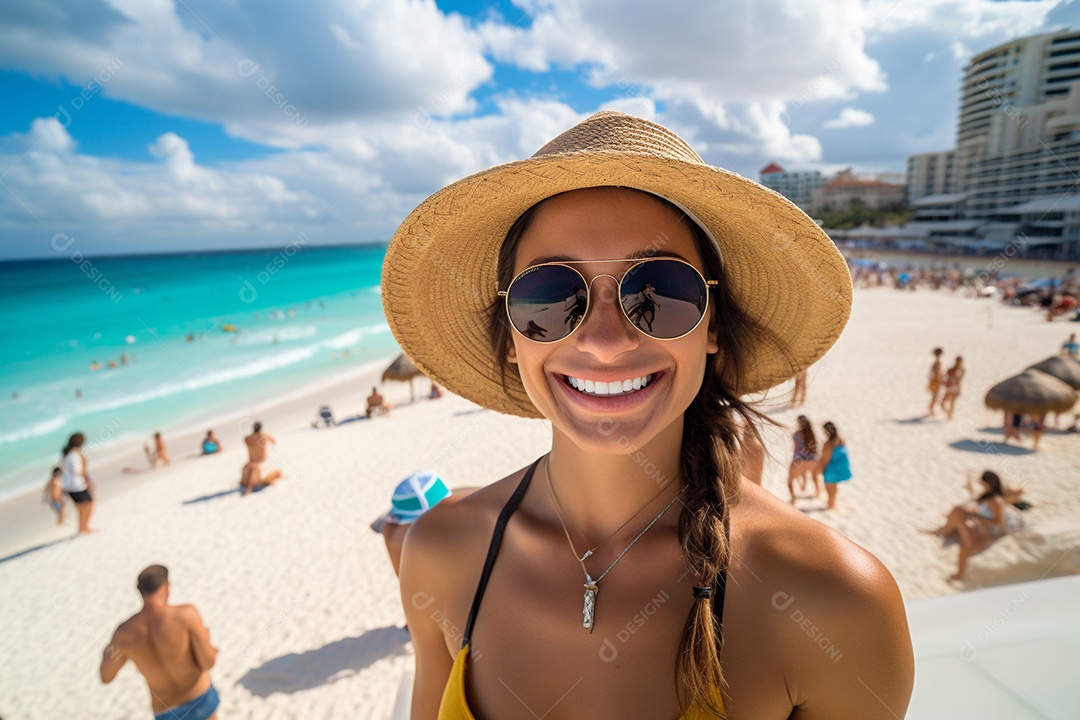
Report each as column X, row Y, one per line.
column 439, row 277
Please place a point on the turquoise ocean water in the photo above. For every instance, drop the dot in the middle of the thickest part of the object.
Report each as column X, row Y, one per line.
column 190, row 336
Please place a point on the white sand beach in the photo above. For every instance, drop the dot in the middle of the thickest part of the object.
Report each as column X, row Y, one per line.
column 298, row 592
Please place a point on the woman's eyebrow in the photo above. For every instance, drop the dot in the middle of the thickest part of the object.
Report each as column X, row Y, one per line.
column 639, row 255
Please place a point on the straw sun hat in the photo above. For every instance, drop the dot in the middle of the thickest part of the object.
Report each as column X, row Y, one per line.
column 439, row 276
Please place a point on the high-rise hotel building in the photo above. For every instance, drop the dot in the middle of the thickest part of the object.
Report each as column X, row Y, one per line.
column 1016, row 165
column 1018, row 136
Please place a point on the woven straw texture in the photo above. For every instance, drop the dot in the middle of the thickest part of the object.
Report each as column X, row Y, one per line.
column 439, row 277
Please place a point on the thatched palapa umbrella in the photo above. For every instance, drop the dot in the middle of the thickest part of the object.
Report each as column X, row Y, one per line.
column 1031, row 392
column 1063, row 368
column 403, row 370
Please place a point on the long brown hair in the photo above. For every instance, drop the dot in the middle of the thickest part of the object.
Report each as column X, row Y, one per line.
column 806, row 431
column 711, row 454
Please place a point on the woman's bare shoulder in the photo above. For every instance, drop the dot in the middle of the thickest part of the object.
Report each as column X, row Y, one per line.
column 785, row 544
column 833, row 609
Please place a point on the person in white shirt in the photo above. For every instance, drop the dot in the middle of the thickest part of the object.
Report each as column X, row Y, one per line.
column 76, row 482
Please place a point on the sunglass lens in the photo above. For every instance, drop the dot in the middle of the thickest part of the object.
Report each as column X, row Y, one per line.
column 547, row 302
column 664, row 298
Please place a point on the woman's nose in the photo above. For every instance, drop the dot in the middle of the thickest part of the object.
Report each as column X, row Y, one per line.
column 606, row 333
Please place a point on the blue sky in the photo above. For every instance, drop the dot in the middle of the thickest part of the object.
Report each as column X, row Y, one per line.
column 153, row 126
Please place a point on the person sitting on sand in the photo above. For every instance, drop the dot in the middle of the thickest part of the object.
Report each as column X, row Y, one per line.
column 376, row 404
column 171, row 647
column 978, row 523
column 835, row 463
column 76, row 482
column 254, row 477
column 934, row 380
column 211, row 444
column 952, row 386
column 54, row 494
column 805, row 460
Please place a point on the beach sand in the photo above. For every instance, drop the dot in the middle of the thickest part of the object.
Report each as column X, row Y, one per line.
column 298, row 592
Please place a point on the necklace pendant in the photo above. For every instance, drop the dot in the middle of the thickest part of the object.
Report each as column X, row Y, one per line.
column 588, row 612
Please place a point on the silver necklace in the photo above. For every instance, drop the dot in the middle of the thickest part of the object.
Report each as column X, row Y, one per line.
column 588, row 611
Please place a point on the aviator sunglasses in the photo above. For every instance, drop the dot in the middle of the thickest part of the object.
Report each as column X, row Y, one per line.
column 664, row 298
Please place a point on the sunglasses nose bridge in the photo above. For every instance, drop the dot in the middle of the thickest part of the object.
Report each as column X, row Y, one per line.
column 608, row 293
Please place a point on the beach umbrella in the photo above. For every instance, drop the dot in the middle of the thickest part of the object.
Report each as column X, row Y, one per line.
column 403, row 370
column 1063, row 368
column 1032, row 392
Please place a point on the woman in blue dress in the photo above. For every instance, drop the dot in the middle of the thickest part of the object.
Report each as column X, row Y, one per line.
column 835, row 462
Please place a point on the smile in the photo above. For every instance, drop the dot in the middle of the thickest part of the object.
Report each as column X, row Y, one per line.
column 615, row 387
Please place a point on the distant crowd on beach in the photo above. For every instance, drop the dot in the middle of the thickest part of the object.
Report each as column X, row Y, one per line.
column 1057, row 297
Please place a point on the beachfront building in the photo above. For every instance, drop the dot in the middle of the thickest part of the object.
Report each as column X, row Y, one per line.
column 797, row 186
column 932, row 173
column 847, row 189
column 1014, row 171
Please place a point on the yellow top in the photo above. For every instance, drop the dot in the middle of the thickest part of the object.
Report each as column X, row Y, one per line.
column 455, row 706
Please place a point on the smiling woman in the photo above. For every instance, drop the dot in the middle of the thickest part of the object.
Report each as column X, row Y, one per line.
column 630, row 294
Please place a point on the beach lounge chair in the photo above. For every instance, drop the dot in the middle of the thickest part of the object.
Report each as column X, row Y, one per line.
column 327, row 416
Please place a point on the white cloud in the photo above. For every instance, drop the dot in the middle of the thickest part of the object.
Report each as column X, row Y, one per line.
column 175, row 201
column 851, row 117
column 964, row 19
column 277, row 74
column 721, row 52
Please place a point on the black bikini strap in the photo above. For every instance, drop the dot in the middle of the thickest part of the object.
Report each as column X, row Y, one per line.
column 493, row 549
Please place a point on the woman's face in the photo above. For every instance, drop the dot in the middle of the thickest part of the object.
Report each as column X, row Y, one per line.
column 602, row 224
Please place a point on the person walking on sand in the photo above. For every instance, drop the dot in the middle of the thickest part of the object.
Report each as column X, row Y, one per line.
column 254, row 476
column 934, row 380
column 805, row 460
column 160, row 453
column 75, row 480
column 835, row 463
column 54, row 494
column 952, row 387
column 170, row 646
column 518, row 591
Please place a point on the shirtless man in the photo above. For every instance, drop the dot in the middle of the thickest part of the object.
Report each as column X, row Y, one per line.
column 171, row 647
column 253, row 478
column 376, row 404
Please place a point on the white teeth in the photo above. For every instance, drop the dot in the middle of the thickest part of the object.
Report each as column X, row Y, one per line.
column 615, row 387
